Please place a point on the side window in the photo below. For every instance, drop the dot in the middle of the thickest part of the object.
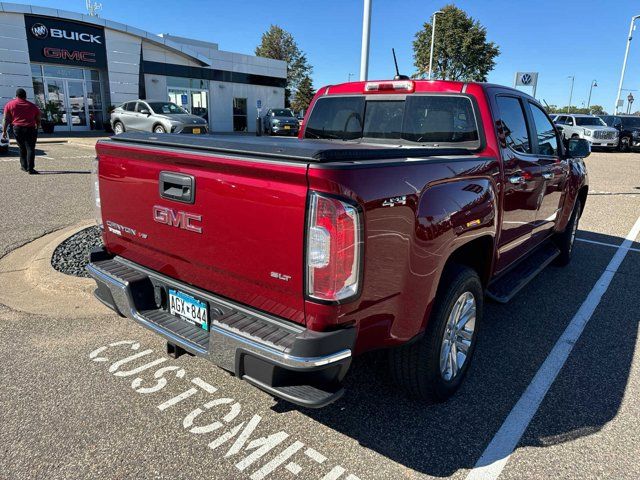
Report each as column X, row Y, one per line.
column 617, row 122
column 130, row 106
column 608, row 120
column 141, row 106
column 561, row 120
column 514, row 124
column 547, row 141
column 570, row 121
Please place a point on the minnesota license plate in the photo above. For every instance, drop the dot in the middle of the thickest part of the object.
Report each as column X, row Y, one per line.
column 287, row 127
column 196, row 130
column 189, row 309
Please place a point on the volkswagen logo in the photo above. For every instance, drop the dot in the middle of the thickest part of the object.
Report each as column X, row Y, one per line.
column 525, row 79
column 39, row 31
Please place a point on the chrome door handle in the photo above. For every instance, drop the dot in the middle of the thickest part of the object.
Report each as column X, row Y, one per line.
column 547, row 175
column 517, row 179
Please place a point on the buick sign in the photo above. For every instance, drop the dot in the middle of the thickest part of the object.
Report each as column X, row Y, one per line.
column 39, row 31
column 52, row 40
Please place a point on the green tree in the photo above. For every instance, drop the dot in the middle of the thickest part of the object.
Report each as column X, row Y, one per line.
column 279, row 44
column 461, row 50
column 303, row 95
column 597, row 110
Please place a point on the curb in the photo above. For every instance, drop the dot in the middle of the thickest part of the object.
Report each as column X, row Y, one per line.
column 32, row 285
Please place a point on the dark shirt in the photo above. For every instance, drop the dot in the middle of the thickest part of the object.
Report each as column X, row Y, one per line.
column 21, row 113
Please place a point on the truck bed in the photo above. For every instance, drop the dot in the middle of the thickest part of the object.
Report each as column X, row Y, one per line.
column 316, row 151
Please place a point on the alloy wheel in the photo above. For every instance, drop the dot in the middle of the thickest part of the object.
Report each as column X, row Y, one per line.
column 458, row 335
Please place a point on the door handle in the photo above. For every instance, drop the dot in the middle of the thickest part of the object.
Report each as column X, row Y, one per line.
column 548, row 175
column 517, row 179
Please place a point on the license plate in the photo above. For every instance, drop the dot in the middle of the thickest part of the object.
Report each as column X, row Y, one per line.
column 196, row 130
column 287, row 127
column 189, row 309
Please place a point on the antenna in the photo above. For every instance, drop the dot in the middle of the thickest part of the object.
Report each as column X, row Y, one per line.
column 395, row 61
column 93, row 7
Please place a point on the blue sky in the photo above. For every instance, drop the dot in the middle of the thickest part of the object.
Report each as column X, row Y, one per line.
column 585, row 38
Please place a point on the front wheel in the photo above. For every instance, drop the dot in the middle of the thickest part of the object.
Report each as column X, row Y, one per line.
column 434, row 367
column 159, row 129
column 625, row 144
column 566, row 239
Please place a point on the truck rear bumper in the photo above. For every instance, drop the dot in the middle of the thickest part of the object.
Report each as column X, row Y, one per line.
column 285, row 359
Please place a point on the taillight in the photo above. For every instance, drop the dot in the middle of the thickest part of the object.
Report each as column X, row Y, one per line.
column 390, row 86
column 96, row 192
column 333, row 249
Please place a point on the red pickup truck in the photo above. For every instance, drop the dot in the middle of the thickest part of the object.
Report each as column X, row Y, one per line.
column 401, row 205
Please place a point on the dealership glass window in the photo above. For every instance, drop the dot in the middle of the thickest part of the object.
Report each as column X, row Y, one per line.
column 239, row 114
column 76, row 89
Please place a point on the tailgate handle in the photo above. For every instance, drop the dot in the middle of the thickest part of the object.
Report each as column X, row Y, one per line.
column 177, row 186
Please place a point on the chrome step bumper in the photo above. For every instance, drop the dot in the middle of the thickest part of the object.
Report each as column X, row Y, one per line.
column 285, row 359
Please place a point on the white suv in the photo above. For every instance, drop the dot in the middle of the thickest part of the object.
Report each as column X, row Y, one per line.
column 589, row 127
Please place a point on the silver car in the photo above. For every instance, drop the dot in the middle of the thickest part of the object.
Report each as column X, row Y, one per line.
column 157, row 117
column 591, row 128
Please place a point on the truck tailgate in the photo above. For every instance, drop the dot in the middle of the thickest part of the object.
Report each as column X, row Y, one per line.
column 250, row 213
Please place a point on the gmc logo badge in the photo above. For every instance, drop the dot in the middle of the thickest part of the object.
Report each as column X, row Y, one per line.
column 51, row 52
column 178, row 219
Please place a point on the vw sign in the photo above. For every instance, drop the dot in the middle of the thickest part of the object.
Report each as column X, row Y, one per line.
column 526, row 79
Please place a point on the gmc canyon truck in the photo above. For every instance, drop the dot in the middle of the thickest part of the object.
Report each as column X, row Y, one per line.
column 399, row 208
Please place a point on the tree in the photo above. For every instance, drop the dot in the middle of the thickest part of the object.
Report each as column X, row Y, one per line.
column 597, row 110
column 279, row 44
column 303, row 95
column 592, row 110
column 461, row 51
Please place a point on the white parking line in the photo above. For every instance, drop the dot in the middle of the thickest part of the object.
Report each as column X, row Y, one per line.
column 612, row 245
column 497, row 453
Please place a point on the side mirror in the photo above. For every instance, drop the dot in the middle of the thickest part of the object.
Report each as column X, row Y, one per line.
column 579, row 147
column 145, row 111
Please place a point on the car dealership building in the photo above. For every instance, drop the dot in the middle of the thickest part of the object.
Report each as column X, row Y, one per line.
column 84, row 64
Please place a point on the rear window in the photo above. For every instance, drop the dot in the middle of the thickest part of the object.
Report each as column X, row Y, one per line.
column 432, row 120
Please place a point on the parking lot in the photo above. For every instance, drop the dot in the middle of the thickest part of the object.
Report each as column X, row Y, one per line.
column 95, row 396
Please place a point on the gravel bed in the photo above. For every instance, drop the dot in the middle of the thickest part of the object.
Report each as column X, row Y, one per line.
column 72, row 255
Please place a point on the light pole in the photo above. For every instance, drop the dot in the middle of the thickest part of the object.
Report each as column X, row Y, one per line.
column 349, row 77
column 573, row 79
column 624, row 63
column 366, row 28
column 594, row 83
column 433, row 38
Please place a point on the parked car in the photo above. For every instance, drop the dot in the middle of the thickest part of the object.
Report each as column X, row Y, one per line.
column 157, row 117
column 589, row 127
column 402, row 204
column 628, row 127
column 280, row 121
column 4, row 143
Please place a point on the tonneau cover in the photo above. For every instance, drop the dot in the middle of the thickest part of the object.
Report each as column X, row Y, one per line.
column 306, row 150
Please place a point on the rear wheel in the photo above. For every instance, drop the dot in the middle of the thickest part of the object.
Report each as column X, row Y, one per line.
column 159, row 129
column 566, row 239
column 118, row 128
column 434, row 367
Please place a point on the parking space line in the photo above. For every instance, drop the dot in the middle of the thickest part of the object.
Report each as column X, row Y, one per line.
column 606, row 244
column 499, row 450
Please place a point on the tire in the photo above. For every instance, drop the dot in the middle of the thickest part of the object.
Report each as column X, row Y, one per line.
column 624, row 145
column 417, row 367
column 565, row 240
column 118, row 128
column 159, row 129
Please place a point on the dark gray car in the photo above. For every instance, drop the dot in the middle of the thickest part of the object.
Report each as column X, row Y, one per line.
column 280, row 121
column 155, row 116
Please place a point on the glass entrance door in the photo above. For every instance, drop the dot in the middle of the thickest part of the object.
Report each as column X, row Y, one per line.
column 77, row 104
column 193, row 101
column 71, row 99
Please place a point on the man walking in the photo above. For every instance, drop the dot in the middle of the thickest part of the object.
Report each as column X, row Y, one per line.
column 25, row 118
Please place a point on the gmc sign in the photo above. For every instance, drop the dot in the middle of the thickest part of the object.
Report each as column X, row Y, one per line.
column 52, row 40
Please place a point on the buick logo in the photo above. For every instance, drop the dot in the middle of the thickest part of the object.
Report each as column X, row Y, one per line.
column 39, row 31
column 525, row 79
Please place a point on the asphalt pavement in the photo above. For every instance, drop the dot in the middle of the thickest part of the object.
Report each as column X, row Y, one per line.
column 95, row 396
